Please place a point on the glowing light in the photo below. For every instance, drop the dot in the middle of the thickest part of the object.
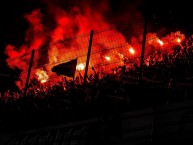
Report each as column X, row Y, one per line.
column 54, row 59
column 121, row 55
column 178, row 40
column 107, row 58
column 131, row 50
column 160, row 42
column 42, row 76
column 80, row 66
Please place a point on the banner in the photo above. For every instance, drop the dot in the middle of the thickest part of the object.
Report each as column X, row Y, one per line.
column 66, row 69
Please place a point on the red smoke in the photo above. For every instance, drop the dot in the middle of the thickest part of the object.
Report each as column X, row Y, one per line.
column 68, row 21
column 77, row 19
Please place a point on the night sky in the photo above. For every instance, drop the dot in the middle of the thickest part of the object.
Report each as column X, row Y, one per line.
column 174, row 15
column 13, row 24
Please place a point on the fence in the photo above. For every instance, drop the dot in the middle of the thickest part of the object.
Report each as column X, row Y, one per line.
column 111, row 48
column 168, row 124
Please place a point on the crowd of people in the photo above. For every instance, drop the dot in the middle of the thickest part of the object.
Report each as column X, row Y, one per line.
column 167, row 78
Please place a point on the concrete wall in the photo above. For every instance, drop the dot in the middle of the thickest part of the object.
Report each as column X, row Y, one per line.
column 166, row 124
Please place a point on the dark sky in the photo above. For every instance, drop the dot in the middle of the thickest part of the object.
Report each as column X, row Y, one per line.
column 174, row 13
column 163, row 13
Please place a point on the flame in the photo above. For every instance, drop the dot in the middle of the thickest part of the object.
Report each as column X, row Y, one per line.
column 178, row 40
column 42, row 76
column 120, row 55
column 80, row 66
column 131, row 50
column 56, row 54
column 160, row 42
column 79, row 19
column 107, row 58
